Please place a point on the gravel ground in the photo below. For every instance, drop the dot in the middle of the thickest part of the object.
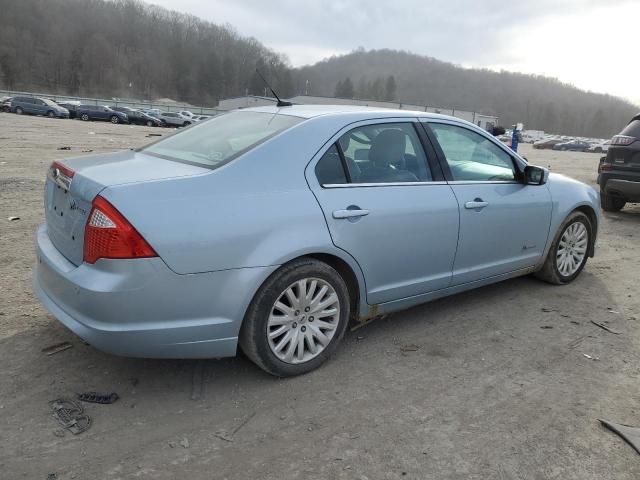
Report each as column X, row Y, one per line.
column 489, row 384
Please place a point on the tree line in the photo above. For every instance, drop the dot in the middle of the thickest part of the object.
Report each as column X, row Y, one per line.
column 127, row 48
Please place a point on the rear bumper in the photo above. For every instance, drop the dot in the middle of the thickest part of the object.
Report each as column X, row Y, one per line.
column 140, row 308
column 621, row 184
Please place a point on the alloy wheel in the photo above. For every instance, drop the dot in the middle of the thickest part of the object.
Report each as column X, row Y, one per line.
column 572, row 248
column 303, row 320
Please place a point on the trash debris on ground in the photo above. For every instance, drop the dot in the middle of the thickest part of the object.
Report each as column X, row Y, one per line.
column 630, row 434
column 546, row 327
column 92, row 133
column 88, row 150
column 605, row 327
column 70, row 415
column 575, row 322
column 228, row 436
column 13, row 219
column 58, row 433
column 549, row 309
column 64, row 148
column 184, row 443
column 154, row 135
column 595, row 359
column 52, row 476
column 410, row 348
column 96, row 397
column 58, row 347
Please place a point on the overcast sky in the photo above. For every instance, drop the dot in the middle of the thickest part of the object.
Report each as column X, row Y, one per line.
column 592, row 44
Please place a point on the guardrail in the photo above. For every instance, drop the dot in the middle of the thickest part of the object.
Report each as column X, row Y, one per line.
column 117, row 102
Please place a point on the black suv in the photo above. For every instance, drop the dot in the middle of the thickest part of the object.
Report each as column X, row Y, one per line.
column 619, row 171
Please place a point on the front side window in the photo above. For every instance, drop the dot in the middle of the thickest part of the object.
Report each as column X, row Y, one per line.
column 385, row 153
column 471, row 156
column 219, row 140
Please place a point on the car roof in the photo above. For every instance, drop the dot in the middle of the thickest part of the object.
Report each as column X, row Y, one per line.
column 359, row 112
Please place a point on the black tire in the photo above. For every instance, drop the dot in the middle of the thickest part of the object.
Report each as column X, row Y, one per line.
column 84, row 117
column 549, row 271
column 253, row 334
column 19, row 111
column 186, row 124
column 598, row 150
column 150, row 123
column 610, row 203
column 114, row 119
column 50, row 114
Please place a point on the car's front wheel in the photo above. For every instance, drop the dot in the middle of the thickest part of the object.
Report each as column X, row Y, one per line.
column 296, row 319
column 19, row 111
column 84, row 117
column 50, row 114
column 114, row 119
column 569, row 252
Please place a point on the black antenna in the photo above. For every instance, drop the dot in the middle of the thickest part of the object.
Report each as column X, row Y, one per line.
column 280, row 102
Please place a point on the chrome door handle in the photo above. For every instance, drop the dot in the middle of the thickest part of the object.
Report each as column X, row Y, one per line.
column 477, row 203
column 350, row 213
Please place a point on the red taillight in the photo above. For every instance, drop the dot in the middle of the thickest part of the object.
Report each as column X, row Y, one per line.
column 622, row 140
column 108, row 234
column 63, row 169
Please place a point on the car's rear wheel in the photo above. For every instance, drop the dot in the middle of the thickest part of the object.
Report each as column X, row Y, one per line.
column 610, row 203
column 114, row 119
column 150, row 123
column 19, row 111
column 569, row 252
column 84, row 117
column 50, row 114
column 296, row 319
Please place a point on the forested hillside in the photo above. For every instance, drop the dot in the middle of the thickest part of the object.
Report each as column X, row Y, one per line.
column 539, row 102
column 127, row 48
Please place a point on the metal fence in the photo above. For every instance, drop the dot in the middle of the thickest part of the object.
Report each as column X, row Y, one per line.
column 118, row 102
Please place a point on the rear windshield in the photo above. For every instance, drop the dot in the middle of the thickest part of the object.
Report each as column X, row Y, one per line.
column 633, row 129
column 222, row 138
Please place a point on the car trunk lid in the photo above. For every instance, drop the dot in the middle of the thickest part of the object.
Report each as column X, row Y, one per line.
column 72, row 185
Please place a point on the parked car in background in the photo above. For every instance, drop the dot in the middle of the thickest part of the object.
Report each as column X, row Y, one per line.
column 547, row 143
column 38, row 106
column 175, row 119
column 252, row 229
column 572, row 145
column 619, row 171
column 154, row 112
column 599, row 147
column 138, row 117
column 186, row 113
column 100, row 112
column 5, row 104
column 72, row 106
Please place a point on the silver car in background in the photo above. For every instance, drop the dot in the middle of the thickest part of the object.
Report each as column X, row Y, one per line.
column 273, row 228
column 174, row 119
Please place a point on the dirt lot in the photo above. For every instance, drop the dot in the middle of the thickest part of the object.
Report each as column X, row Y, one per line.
column 490, row 384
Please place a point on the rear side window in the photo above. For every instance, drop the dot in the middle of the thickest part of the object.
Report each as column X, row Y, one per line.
column 221, row 139
column 385, row 153
column 329, row 169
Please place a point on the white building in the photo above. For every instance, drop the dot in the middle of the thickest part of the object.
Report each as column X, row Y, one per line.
column 483, row 121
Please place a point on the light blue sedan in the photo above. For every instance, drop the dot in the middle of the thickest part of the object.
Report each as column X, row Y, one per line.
column 273, row 228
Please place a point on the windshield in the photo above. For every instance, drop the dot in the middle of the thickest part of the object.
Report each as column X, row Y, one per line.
column 222, row 138
column 49, row 102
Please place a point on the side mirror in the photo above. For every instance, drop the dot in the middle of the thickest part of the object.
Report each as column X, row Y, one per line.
column 535, row 175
